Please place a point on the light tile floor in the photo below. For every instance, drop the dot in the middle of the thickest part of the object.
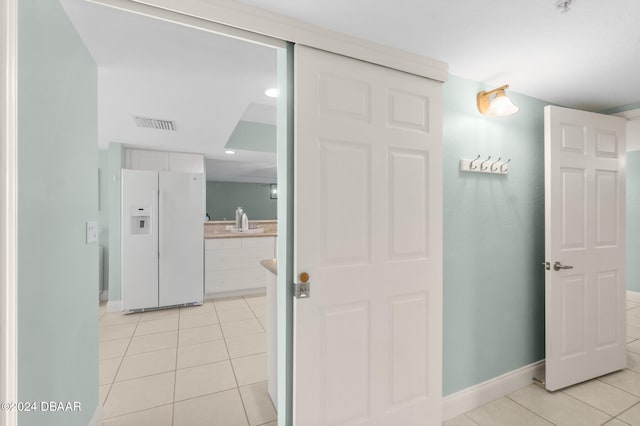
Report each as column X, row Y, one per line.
column 201, row 365
column 612, row 400
column 206, row 366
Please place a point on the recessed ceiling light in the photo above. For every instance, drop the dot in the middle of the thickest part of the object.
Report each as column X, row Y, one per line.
column 272, row 93
column 228, row 151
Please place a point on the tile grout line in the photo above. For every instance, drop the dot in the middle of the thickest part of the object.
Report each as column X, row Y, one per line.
column 175, row 372
column 113, row 381
column 135, row 328
column 611, row 416
column 154, row 374
column 235, row 377
column 529, row 409
column 471, row 420
column 634, row 405
column 618, row 387
column 244, row 405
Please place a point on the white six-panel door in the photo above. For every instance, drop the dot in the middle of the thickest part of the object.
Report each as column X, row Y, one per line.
column 368, row 231
column 585, row 231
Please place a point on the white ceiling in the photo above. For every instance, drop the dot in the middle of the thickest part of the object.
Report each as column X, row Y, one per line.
column 204, row 82
column 587, row 58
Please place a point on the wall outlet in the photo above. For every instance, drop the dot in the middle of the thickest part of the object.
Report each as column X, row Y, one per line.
column 92, row 232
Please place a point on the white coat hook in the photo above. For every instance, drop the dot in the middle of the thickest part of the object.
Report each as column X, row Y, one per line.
column 497, row 167
column 482, row 167
column 503, row 167
column 471, row 165
column 494, row 168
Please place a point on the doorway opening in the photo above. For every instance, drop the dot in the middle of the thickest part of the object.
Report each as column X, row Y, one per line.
column 177, row 86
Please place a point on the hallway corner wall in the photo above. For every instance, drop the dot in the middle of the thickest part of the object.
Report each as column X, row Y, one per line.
column 57, row 180
column 633, row 205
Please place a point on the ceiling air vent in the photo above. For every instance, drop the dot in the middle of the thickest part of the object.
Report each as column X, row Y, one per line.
column 154, row 123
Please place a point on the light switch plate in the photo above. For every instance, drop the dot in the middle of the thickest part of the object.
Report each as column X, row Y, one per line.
column 92, row 232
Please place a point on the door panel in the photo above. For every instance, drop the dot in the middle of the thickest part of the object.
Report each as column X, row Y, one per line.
column 344, row 179
column 368, row 219
column 585, row 229
column 408, row 210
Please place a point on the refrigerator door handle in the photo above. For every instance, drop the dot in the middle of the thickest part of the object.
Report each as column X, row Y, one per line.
column 155, row 194
column 160, row 206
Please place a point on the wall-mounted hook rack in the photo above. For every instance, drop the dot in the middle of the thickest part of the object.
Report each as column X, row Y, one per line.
column 476, row 165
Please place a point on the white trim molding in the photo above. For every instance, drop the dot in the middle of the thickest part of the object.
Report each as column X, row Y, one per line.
column 262, row 22
column 8, row 206
column 475, row 396
column 96, row 420
column 632, row 114
column 633, row 295
column 633, row 128
column 191, row 21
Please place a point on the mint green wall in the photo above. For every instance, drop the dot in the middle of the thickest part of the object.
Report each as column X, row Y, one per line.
column 115, row 163
column 493, row 240
column 633, row 221
column 252, row 136
column 224, row 197
column 616, row 110
column 57, row 181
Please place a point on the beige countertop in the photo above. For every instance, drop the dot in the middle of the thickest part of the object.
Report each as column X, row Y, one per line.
column 217, row 229
column 271, row 265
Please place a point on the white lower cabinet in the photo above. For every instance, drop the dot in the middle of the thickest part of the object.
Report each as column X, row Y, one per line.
column 232, row 265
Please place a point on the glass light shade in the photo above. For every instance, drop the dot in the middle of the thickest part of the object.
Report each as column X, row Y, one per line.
column 501, row 106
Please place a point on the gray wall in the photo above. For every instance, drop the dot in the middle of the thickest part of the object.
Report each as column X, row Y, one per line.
column 224, row 197
column 57, row 175
column 493, row 240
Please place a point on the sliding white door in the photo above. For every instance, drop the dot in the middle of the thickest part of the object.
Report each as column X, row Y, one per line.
column 368, row 231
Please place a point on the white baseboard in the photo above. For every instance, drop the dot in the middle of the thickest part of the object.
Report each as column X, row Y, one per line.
column 633, row 295
column 475, row 396
column 114, row 306
column 258, row 291
column 96, row 420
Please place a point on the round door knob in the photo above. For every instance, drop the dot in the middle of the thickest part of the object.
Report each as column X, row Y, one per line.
column 304, row 277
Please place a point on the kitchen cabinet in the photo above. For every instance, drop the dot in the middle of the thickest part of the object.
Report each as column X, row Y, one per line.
column 232, row 265
column 143, row 159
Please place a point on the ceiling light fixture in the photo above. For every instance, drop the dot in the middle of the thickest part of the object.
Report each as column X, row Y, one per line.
column 229, row 151
column 563, row 5
column 272, row 93
column 499, row 106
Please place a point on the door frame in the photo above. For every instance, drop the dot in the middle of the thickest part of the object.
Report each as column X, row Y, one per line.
column 225, row 17
column 8, row 206
column 243, row 21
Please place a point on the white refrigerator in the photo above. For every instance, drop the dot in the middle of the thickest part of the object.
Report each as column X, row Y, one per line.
column 162, row 239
